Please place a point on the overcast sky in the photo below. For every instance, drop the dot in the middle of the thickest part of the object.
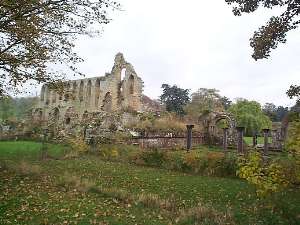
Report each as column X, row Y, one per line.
column 194, row 44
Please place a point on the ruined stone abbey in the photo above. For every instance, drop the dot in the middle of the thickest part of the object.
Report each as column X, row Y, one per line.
column 91, row 97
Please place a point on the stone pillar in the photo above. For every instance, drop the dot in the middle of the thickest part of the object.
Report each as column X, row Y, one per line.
column 266, row 142
column 189, row 136
column 225, row 136
column 240, row 141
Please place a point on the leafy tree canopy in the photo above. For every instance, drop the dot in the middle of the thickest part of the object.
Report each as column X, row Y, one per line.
column 15, row 108
column 274, row 32
column 36, row 33
column 204, row 101
column 174, row 98
column 276, row 114
column 250, row 115
column 294, row 92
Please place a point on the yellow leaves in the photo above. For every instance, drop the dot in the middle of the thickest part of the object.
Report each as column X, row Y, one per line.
column 266, row 177
column 77, row 146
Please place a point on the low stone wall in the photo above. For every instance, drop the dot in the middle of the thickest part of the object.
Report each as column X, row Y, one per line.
column 166, row 142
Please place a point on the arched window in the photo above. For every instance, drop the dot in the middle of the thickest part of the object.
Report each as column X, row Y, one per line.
column 97, row 92
column 47, row 95
column 123, row 73
column 74, row 90
column 131, row 84
column 89, row 93
column 81, row 91
column 43, row 93
column 67, row 91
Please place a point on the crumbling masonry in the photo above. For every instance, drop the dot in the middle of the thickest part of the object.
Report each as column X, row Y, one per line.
column 88, row 97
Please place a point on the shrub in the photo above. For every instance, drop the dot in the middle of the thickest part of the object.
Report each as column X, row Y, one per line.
column 268, row 177
column 293, row 140
column 209, row 163
column 77, row 147
column 109, row 152
column 153, row 157
column 191, row 162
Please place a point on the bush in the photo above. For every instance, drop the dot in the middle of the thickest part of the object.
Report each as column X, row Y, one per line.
column 209, row 163
column 77, row 147
column 268, row 177
column 152, row 157
column 109, row 152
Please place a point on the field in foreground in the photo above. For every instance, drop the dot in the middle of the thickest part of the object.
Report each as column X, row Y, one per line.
column 90, row 191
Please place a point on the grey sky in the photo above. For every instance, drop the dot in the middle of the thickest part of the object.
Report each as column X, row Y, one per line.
column 194, row 44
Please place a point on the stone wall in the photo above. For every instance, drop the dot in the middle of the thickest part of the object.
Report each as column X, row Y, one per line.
column 84, row 97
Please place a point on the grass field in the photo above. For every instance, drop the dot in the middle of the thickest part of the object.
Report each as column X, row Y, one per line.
column 90, row 191
column 260, row 140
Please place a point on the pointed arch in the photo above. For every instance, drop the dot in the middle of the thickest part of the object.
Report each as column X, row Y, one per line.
column 74, row 90
column 47, row 95
column 123, row 73
column 88, row 93
column 43, row 93
column 81, row 91
column 131, row 84
column 97, row 92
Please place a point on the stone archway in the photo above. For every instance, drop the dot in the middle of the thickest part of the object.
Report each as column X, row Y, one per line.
column 210, row 125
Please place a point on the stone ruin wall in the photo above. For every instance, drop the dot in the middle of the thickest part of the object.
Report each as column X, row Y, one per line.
column 107, row 94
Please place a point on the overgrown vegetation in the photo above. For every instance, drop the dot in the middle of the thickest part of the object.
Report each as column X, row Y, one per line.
column 87, row 190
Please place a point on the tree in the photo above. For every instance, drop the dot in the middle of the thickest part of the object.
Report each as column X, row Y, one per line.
column 294, row 92
column 226, row 102
column 174, row 98
column 274, row 32
column 270, row 109
column 37, row 33
column 204, row 101
column 16, row 108
column 6, row 109
column 250, row 115
column 281, row 112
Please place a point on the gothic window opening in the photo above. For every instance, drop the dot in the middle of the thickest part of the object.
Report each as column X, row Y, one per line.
column 43, row 93
column 131, row 84
column 123, row 73
column 74, row 90
column 89, row 93
column 97, row 92
column 81, row 91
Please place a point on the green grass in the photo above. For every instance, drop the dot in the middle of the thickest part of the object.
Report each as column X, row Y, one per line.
column 27, row 150
column 260, row 140
column 39, row 199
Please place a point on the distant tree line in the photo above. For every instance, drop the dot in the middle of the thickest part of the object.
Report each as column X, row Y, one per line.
column 249, row 114
column 15, row 109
